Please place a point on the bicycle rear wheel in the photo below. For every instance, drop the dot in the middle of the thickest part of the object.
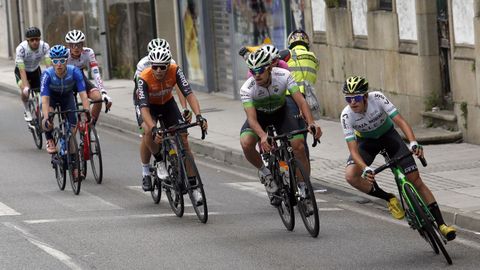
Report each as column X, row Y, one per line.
column 307, row 206
column 428, row 225
column 73, row 161
column 199, row 206
column 96, row 155
column 59, row 164
column 173, row 186
column 35, row 124
column 157, row 187
column 285, row 209
column 83, row 160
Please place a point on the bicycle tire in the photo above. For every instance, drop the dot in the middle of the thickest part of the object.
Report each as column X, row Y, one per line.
column 285, row 209
column 311, row 221
column 59, row 165
column 201, row 208
column 83, row 161
column 76, row 182
column 157, row 188
column 96, row 153
column 427, row 224
column 36, row 131
column 173, row 190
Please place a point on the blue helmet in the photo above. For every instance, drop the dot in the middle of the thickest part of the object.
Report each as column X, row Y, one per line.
column 58, row 51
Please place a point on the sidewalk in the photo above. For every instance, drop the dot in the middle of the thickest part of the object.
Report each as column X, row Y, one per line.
column 452, row 172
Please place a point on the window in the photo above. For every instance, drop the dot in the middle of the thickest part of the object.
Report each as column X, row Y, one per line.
column 385, row 5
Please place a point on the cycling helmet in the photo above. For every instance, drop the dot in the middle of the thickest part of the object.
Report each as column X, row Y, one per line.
column 75, row 36
column 355, row 85
column 58, row 51
column 32, row 32
column 298, row 37
column 158, row 42
column 258, row 59
column 270, row 49
column 160, row 56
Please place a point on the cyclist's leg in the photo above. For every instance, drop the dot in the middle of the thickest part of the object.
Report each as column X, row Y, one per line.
column 248, row 140
column 51, row 148
column 93, row 94
column 21, row 85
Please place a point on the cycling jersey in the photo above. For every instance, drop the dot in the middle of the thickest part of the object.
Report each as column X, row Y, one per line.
column 84, row 62
column 52, row 85
column 373, row 123
column 269, row 99
column 143, row 64
column 29, row 59
column 152, row 91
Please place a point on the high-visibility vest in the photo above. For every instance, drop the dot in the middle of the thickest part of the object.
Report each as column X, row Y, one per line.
column 303, row 66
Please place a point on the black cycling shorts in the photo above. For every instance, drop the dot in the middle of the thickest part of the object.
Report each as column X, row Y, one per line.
column 282, row 119
column 170, row 113
column 392, row 142
column 33, row 77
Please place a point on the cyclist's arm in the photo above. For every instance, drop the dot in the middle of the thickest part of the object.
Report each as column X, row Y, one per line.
column 142, row 94
column 47, row 61
column 181, row 98
column 19, row 61
column 186, row 91
column 95, row 71
column 405, row 127
column 45, row 92
column 353, row 148
column 303, row 106
column 81, row 88
column 253, row 122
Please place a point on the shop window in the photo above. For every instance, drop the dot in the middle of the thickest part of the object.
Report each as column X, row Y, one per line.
column 385, row 5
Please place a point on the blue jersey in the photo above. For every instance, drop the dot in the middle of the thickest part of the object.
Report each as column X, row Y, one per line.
column 52, row 85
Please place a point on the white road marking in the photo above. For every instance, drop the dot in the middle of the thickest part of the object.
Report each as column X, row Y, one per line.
column 83, row 202
column 7, row 211
column 76, row 219
column 59, row 255
column 256, row 188
column 222, row 168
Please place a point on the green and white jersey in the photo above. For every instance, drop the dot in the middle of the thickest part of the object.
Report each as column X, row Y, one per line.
column 29, row 59
column 269, row 99
column 371, row 124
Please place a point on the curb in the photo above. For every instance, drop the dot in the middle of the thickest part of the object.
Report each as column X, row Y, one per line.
column 469, row 221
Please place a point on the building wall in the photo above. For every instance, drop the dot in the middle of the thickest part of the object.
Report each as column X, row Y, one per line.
column 398, row 51
column 4, row 31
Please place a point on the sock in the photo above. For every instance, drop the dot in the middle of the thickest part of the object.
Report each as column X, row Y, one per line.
column 25, row 105
column 380, row 193
column 435, row 210
column 264, row 170
column 145, row 169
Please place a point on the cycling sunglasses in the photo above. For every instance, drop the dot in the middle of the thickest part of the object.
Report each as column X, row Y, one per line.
column 75, row 45
column 258, row 71
column 161, row 67
column 59, row 61
column 357, row 98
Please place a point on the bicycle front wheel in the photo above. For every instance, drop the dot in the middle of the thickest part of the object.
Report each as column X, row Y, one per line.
column 96, row 155
column 83, row 159
column 59, row 163
column 307, row 206
column 426, row 222
column 285, row 195
column 35, row 124
column 195, row 190
column 157, row 188
column 73, row 161
column 173, row 186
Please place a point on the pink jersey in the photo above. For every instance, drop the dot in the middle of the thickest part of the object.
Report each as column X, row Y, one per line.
column 281, row 64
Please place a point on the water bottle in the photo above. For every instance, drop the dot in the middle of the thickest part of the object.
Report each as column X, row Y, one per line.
column 62, row 147
column 284, row 170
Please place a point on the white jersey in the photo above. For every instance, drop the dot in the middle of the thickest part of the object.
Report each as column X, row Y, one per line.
column 371, row 124
column 143, row 64
column 268, row 99
column 87, row 61
column 28, row 59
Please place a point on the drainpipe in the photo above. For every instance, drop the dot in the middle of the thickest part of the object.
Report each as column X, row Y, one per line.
column 154, row 18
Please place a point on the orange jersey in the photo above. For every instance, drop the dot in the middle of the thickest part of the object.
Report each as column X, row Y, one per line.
column 152, row 91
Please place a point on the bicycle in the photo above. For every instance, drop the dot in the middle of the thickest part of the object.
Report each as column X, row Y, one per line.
column 417, row 213
column 90, row 148
column 178, row 163
column 35, row 125
column 67, row 157
column 286, row 170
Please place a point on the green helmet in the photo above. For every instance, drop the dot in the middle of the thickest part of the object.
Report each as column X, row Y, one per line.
column 355, row 85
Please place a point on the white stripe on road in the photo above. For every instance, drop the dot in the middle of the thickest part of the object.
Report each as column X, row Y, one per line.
column 7, row 211
column 83, row 202
column 59, row 255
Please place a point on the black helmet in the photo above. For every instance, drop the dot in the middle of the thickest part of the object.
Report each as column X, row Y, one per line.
column 298, row 37
column 355, row 85
column 32, row 32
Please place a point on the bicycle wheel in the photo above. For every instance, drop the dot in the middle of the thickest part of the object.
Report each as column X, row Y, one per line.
column 34, row 125
column 307, row 206
column 59, row 164
column 83, row 160
column 427, row 223
column 173, row 186
column 157, row 188
column 200, row 206
column 73, row 161
column 96, row 155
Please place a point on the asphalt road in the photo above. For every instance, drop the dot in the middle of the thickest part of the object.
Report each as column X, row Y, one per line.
column 115, row 225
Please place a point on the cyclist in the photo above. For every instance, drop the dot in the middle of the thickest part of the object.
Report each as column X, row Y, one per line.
column 368, row 125
column 29, row 54
column 84, row 59
column 155, row 86
column 58, row 85
column 263, row 98
column 277, row 60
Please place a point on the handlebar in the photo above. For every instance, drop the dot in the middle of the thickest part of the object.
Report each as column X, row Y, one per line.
column 394, row 161
column 52, row 114
column 179, row 127
column 293, row 133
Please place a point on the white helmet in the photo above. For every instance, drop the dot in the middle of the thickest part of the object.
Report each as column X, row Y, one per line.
column 158, row 42
column 160, row 56
column 75, row 36
column 258, row 59
column 274, row 53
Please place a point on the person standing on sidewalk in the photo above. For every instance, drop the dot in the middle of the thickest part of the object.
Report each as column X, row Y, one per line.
column 368, row 125
column 29, row 54
column 84, row 59
column 155, row 86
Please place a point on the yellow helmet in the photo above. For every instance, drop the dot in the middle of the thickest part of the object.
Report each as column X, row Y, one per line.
column 355, row 85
